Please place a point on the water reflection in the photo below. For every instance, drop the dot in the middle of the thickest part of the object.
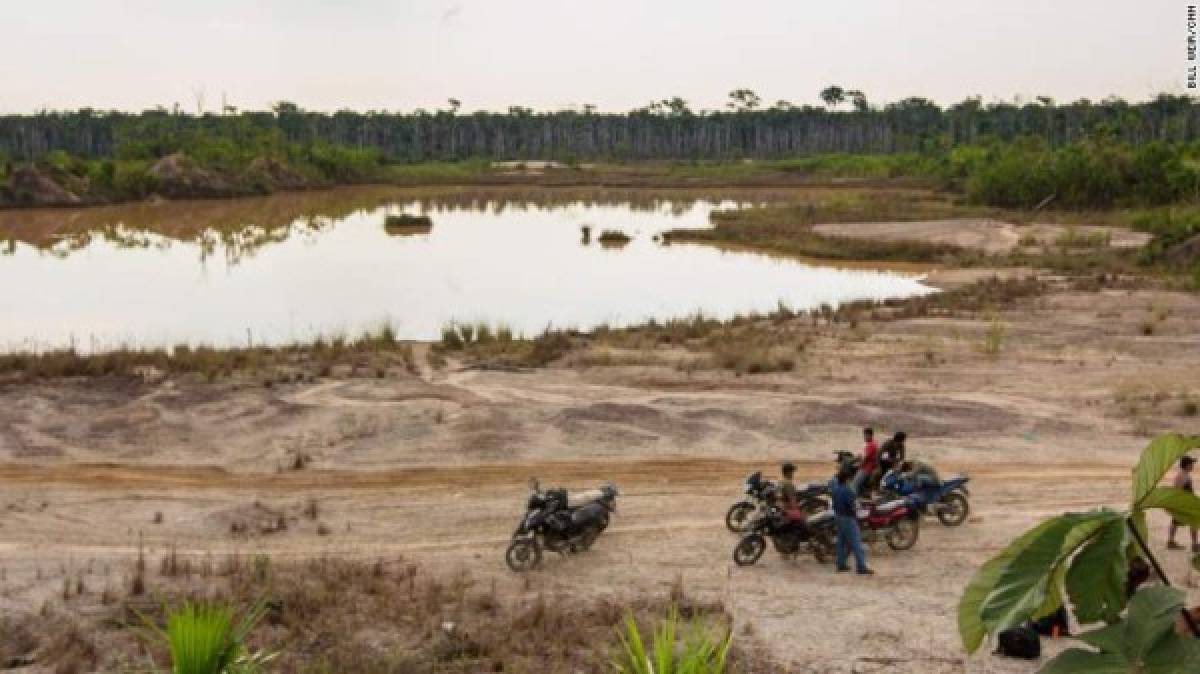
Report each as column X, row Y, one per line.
column 292, row 266
column 237, row 227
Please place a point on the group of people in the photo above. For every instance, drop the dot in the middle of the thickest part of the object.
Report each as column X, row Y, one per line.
column 876, row 461
column 852, row 482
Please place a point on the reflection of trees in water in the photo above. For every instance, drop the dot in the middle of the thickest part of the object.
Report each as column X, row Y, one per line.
column 239, row 228
column 115, row 234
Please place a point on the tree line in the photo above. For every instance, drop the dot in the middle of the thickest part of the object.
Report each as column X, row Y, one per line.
column 667, row 129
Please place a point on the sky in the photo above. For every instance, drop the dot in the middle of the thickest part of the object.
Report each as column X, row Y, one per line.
column 400, row 55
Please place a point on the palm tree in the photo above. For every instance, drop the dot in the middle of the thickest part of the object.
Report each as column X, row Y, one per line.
column 743, row 100
column 833, row 95
column 859, row 100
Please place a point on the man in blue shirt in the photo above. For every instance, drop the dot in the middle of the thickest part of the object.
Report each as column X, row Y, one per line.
column 848, row 538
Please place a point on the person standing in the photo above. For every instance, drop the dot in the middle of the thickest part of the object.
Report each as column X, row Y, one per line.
column 870, row 460
column 849, row 539
column 1183, row 480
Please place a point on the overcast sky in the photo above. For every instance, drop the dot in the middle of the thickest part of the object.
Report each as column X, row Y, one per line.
column 550, row 54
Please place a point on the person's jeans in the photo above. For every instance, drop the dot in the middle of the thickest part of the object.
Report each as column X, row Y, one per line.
column 848, row 540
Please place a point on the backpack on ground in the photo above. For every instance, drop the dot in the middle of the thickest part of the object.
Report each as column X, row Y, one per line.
column 1019, row 642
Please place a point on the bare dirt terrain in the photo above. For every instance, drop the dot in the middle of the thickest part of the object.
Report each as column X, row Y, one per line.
column 989, row 236
column 433, row 467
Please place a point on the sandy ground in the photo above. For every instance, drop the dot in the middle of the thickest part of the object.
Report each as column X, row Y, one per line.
column 433, row 467
column 990, row 236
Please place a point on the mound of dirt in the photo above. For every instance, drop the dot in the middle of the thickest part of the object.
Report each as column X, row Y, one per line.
column 179, row 177
column 990, row 236
column 933, row 418
column 614, row 413
column 270, row 174
column 29, row 186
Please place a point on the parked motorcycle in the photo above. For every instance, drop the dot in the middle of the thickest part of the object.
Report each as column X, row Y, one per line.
column 790, row 538
column 947, row 500
column 559, row 523
column 761, row 494
column 896, row 522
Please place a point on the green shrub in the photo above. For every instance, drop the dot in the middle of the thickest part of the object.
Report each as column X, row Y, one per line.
column 131, row 179
column 204, row 639
column 343, row 164
column 697, row 653
column 1089, row 174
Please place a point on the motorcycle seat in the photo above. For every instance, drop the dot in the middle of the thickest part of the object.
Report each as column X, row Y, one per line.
column 588, row 513
column 580, row 498
column 820, row 517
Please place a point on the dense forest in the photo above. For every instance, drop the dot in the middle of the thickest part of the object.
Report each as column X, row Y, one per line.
column 667, row 129
column 1076, row 156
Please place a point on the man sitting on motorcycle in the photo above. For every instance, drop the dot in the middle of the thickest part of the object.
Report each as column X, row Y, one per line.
column 892, row 452
column 920, row 475
column 787, row 493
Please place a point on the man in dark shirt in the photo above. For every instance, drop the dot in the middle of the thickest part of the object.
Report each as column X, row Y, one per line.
column 787, row 493
column 848, row 538
column 892, row 453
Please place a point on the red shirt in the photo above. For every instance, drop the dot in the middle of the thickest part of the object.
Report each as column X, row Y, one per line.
column 870, row 457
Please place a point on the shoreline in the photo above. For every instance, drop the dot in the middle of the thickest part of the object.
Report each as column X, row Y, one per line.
column 598, row 181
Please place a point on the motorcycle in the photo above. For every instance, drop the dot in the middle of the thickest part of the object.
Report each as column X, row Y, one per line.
column 896, row 522
column 789, row 537
column 947, row 500
column 559, row 523
column 761, row 494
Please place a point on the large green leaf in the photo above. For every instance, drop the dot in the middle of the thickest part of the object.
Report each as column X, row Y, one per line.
column 1145, row 642
column 1183, row 505
column 1173, row 653
column 970, row 627
column 1152, row 614
column 1158, row 457
column 1023, row 584
column 1110, row 638
column 1096, row 579
column 1079, row 661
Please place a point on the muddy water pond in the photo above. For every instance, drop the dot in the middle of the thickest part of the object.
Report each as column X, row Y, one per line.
column 290, row 267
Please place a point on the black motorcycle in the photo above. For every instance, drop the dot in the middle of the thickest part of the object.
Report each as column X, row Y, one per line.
column 761, row 494
column 552, row 522
column 790, row 537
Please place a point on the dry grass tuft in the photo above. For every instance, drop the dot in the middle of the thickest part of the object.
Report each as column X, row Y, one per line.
column 340, row 615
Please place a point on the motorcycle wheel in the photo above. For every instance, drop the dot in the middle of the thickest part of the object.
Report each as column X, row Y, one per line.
column 823, row 548
column 815, row 505
column 749, row 550
column 738, row 517
column 603, row 524
column 523, row 554
column 953, row 509
column 903, row 534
